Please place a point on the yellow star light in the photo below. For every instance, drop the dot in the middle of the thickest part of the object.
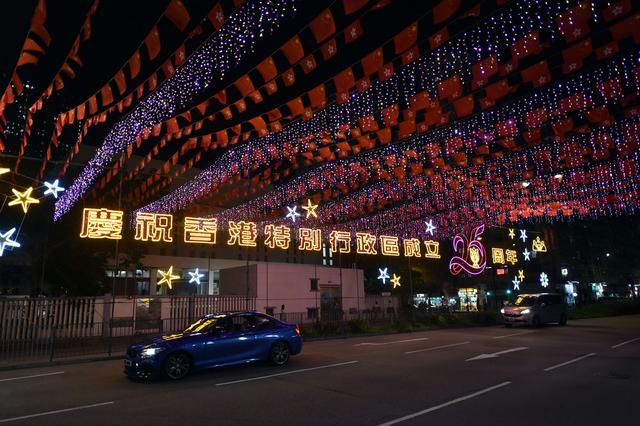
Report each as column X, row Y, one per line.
column 23, row 198
column 521, row 275
column 512, row 233
column 4, row 170
column 310, row 208
column 395, row 280
column 167, row 277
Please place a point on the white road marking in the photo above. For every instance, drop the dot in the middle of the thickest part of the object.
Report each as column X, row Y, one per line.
column 553, row 367
column 436, row 347
column 514, row 334
column 625, row 342
column 391, row 343
column 497, row 354
column 47, row 413
column 446, row 404
column 302, row 370
column 32, row 376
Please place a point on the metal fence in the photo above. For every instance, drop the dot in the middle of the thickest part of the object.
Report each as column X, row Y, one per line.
column 36, row 330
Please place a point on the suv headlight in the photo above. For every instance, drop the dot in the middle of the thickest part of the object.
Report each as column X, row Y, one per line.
column 525, row 312
column 149, row 352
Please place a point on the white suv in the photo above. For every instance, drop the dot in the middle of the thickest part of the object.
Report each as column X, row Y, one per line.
column 535, row 309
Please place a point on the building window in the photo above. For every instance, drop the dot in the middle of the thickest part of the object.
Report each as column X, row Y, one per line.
column 327, row 255
column 270, row 310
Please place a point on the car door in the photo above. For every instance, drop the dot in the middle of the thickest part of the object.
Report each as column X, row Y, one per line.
column 544, row 308
column 225, row 343
column 264, row 332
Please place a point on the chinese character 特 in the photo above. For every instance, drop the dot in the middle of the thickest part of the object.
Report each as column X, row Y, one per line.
column 277, row 236
column 154, row 227
column 102, row 223
column 200, row 230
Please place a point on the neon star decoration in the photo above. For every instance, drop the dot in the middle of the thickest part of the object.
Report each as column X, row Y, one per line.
column 544, row 280
column 472, row 258
column 395, row 281
column 523, row 235
column 310, row 208
column 23, row 198
column 512, row 233
column 293, row 213
column 516, row 283
column 195, row 277
column 526, row 253
column 168, row 277
column 53, row 188
column 6, row 241
column 384, row 275
column 521, row 274
column 430, row 227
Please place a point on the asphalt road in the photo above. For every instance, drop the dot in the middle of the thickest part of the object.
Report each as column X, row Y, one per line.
column 586, row 373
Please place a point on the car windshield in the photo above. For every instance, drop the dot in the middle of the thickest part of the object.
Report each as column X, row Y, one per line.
column 203, row 325
column 525, row 301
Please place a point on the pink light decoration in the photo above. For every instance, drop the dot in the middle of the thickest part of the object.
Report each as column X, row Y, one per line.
column 473, row 258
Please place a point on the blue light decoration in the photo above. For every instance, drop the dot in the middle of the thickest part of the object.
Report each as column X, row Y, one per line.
column 6, row 241
column 384, row 275
column 473, row 257
column 430, row 227
column 523, row 235
column 53, row 188
column 207, row 66
column 195, row 277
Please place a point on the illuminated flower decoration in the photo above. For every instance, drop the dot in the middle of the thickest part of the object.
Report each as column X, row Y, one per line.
column 473, row 258
column 544, row 280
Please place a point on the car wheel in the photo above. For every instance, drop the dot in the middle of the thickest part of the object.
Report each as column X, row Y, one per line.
column 563, row 320
column 279, row 354
column 177, row 365
column 536, row 321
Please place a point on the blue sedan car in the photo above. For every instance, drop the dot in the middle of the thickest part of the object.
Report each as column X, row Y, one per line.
column 215, row 340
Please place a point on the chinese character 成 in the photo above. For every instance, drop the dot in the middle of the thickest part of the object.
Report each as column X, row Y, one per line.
column 412, row 247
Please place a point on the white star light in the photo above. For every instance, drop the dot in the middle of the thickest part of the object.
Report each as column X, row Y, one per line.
column 6, row 241
column 526, row 254
column 195, row 277
column 293, row 213
column 53, row 188
column 384, row 275
column 430, row 227
column 523, row 235
column 516, row 283
column 544, row 280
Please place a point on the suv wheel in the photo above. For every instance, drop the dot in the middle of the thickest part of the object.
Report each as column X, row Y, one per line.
column 279, row 354
column 177, row 365
column 563, row 320
column 536, row 321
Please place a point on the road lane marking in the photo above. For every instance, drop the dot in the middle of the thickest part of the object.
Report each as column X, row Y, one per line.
column 446, row 404
column 497, row 354
column 64, row 410
column 32, row 376
column 302, row 370
column 436, row 347
column 625, row 342
column 514, row 334
column 553, row 367
column 391, row 343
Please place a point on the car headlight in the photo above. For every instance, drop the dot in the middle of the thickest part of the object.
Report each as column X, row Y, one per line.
column 149, row 352
column 525, row 312
column 502, row 311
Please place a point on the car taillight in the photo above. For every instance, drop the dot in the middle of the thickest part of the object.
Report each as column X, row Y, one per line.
column 297, row 329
